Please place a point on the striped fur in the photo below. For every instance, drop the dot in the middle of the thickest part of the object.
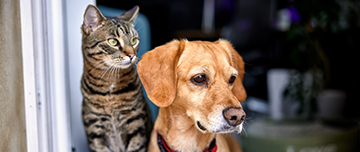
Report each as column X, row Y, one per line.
column 115, row 113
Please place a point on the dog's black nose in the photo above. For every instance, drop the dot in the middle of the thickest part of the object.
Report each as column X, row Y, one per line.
column 234, row 116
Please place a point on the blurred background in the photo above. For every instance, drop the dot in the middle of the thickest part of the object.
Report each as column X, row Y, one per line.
column 301, row 64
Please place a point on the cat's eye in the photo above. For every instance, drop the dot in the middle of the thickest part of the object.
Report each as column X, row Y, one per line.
column 113, row 42
column 199, row 79
column 134, row 41
column 232, row 79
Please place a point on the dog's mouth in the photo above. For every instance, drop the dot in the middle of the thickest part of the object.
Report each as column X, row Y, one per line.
column 201, row 126
column 221, row 129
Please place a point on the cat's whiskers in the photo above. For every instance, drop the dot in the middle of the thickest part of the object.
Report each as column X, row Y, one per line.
column 118, row 72
column 97, row 64
column 138, row 59
column 112, row 73
column 139, row 28
column 136, row 21
column 110, row 76
column 104, row 72
column 115, row 73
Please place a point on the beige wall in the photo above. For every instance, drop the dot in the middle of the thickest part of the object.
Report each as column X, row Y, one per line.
column 12, row 110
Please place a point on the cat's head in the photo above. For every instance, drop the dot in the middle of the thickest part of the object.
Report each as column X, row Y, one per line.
column 111, row 41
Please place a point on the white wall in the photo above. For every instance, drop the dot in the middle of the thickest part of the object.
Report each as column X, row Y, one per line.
column 74, row 15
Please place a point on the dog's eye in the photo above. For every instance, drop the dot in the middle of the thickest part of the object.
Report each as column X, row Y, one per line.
column 232, row 79
column 199, row 79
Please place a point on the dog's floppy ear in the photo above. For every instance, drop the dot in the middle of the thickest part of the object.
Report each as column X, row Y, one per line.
column 238, row 63
column 157, row 71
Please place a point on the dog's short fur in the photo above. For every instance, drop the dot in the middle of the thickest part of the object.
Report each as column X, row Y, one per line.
column 192, row 114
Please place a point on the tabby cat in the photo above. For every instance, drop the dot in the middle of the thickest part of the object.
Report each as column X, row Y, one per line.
column 115, row 113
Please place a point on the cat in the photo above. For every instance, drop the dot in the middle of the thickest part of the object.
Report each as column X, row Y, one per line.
column 115, row 113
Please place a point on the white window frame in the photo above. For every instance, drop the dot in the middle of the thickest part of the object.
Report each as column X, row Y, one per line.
column 46, row 29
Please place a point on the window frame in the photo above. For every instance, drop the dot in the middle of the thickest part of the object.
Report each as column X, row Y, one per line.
column 46, row 28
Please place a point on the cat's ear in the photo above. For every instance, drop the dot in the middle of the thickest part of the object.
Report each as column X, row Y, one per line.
column 92, row 19
column 157, row 71
column 130, row 15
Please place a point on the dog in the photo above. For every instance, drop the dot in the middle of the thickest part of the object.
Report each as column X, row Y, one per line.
column 198, row 87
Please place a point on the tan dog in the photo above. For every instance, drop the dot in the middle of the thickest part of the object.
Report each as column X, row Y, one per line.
column 198, row 87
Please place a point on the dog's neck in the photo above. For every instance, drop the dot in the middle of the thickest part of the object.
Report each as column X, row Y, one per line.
column 179, row 130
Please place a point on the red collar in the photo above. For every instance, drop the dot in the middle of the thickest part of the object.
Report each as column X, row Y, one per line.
column 165, row 148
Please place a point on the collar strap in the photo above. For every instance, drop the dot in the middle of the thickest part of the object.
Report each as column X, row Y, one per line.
column 165, row 148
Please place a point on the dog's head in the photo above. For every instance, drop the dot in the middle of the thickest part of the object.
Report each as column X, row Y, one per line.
column 204, row 78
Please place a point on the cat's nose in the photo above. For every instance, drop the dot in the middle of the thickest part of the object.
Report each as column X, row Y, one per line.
column 131, row 55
